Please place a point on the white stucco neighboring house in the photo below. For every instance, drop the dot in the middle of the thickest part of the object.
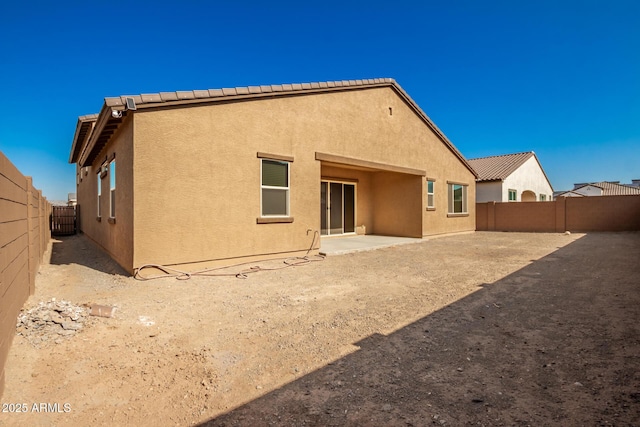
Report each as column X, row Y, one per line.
column 602, row 188
column 511, row 178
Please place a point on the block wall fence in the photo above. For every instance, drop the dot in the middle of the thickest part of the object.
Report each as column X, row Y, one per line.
column 24, row 238
column 576, row 214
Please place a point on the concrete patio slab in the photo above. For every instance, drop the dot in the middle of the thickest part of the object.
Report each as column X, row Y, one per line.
column 348, row 244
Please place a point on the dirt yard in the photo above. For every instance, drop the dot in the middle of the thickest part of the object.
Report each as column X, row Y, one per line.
column 486, row 329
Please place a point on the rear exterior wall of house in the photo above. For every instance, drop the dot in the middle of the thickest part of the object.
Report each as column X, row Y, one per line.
column 194, row 180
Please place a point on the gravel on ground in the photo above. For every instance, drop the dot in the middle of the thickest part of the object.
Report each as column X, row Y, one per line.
column 478, row 329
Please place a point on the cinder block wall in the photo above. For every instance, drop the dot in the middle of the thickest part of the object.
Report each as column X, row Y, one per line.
column 579, row 214
column 24, row 237
column 525, row 216
column 605, row 213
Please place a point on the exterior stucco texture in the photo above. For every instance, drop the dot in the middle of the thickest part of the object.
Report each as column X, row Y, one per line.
column 115, row 235
column 189, row 177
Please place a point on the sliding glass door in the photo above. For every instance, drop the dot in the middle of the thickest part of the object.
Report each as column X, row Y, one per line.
column 337, row 208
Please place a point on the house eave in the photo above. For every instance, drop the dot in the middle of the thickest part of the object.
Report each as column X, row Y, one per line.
column 480, row 181
column 84, row 127
column 107, row 123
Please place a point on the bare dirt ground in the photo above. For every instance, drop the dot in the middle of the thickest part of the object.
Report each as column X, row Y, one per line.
column 480, row 329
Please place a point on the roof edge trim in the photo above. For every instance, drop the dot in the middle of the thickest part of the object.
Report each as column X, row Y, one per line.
column 172, row 99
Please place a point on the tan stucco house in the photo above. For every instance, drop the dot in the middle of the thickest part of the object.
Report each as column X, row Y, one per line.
column 218, row 177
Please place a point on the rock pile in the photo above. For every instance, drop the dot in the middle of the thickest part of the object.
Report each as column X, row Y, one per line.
column 51, row 321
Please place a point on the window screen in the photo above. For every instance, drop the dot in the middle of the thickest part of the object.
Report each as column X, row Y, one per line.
column 275, row 188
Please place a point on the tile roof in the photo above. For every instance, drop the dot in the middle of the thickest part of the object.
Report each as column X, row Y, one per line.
column 612, row 188
column 94, row 131
column 569, row 193
column 498, row 168
column 201, row 95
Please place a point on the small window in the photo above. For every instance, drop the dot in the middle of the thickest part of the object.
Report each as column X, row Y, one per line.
column 99, row 178
column 513, row 195
column 457, row 199
column 112, row 189
column 274, row 197
column 430, row 194
column 543, row 197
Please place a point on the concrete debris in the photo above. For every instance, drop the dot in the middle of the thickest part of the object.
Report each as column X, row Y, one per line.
column 50, row 321
column 102, row 310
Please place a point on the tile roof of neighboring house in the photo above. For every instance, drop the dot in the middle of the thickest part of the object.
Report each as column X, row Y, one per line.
column 612, row 188
column 498, row 168
column 94, row 131
column 569, row 193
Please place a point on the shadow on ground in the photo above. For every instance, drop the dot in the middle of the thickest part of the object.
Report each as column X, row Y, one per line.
column 78, row 249
column 555, row 343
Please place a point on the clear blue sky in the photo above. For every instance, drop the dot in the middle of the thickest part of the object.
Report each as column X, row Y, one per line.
column 561, row 78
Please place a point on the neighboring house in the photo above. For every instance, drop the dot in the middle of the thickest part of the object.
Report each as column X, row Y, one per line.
column 511, row 178
column 603, row 188
column 569, row 193
column 218, row 177
column 72, row 199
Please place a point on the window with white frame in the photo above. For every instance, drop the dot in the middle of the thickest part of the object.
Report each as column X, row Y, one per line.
column 457, row 198
column 112, row 189
column 513, row 195
column 274, row 188
column 430, row 194
column 99, row 179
